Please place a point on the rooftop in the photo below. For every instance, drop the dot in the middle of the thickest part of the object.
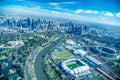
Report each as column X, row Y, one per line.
column 80, row 51
column 93, row 60
column 69, row 41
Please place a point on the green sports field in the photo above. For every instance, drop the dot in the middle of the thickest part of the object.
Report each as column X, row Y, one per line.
column 98, row 78
column 72, row 65
column 62, row 54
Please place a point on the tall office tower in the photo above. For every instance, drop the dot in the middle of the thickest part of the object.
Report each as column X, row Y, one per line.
column 28, row 23
column 33, row 25
column 13, row 22
column 8, row 23
column 19, row 23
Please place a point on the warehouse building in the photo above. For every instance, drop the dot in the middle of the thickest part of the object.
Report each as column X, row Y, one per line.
column 92, row 61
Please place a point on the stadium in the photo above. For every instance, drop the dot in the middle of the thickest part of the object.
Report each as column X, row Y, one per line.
column 75, row 67
column 107, row 52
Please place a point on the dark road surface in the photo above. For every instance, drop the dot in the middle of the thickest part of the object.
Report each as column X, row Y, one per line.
column 38, row 64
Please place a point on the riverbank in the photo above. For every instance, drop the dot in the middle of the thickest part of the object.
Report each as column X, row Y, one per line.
column 38, row 64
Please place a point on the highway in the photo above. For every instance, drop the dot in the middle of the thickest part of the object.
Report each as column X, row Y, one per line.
column 38, row 64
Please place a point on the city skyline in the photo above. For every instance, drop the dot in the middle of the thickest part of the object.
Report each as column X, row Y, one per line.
column 107, row 11
column 59, row 40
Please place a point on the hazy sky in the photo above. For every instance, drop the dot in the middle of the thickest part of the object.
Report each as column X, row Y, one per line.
column 100, row 11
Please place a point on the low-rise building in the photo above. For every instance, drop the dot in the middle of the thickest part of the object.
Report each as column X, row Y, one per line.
column 80, row 52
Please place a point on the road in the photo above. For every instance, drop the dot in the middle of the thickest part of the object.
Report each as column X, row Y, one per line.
column 29, row 74
column 38, row 64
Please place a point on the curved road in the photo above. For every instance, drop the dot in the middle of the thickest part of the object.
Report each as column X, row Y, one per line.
column 38, row 64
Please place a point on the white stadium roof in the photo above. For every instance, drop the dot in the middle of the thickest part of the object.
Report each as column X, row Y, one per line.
column 81, row 70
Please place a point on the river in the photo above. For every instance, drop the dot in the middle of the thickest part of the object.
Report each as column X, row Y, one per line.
column 38, row 64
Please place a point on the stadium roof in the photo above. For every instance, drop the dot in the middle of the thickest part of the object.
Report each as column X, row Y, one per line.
column 75, row 69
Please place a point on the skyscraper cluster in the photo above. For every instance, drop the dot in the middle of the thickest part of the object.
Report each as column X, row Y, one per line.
column 45, row 25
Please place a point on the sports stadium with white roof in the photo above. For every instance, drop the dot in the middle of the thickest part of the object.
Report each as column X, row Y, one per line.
column 75, row 67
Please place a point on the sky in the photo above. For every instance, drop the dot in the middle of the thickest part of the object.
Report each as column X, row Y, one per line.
column 99, row 11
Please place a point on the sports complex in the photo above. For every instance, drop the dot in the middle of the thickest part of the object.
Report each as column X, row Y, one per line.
column 106, row 52
column 75, row 62
column 75, row 67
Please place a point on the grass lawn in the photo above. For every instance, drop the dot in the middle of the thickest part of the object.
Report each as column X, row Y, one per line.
column 5, row 51
column 3, row 57
column 98, row 78
column 116, row 63
column 62, row 54
column 73, row 65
